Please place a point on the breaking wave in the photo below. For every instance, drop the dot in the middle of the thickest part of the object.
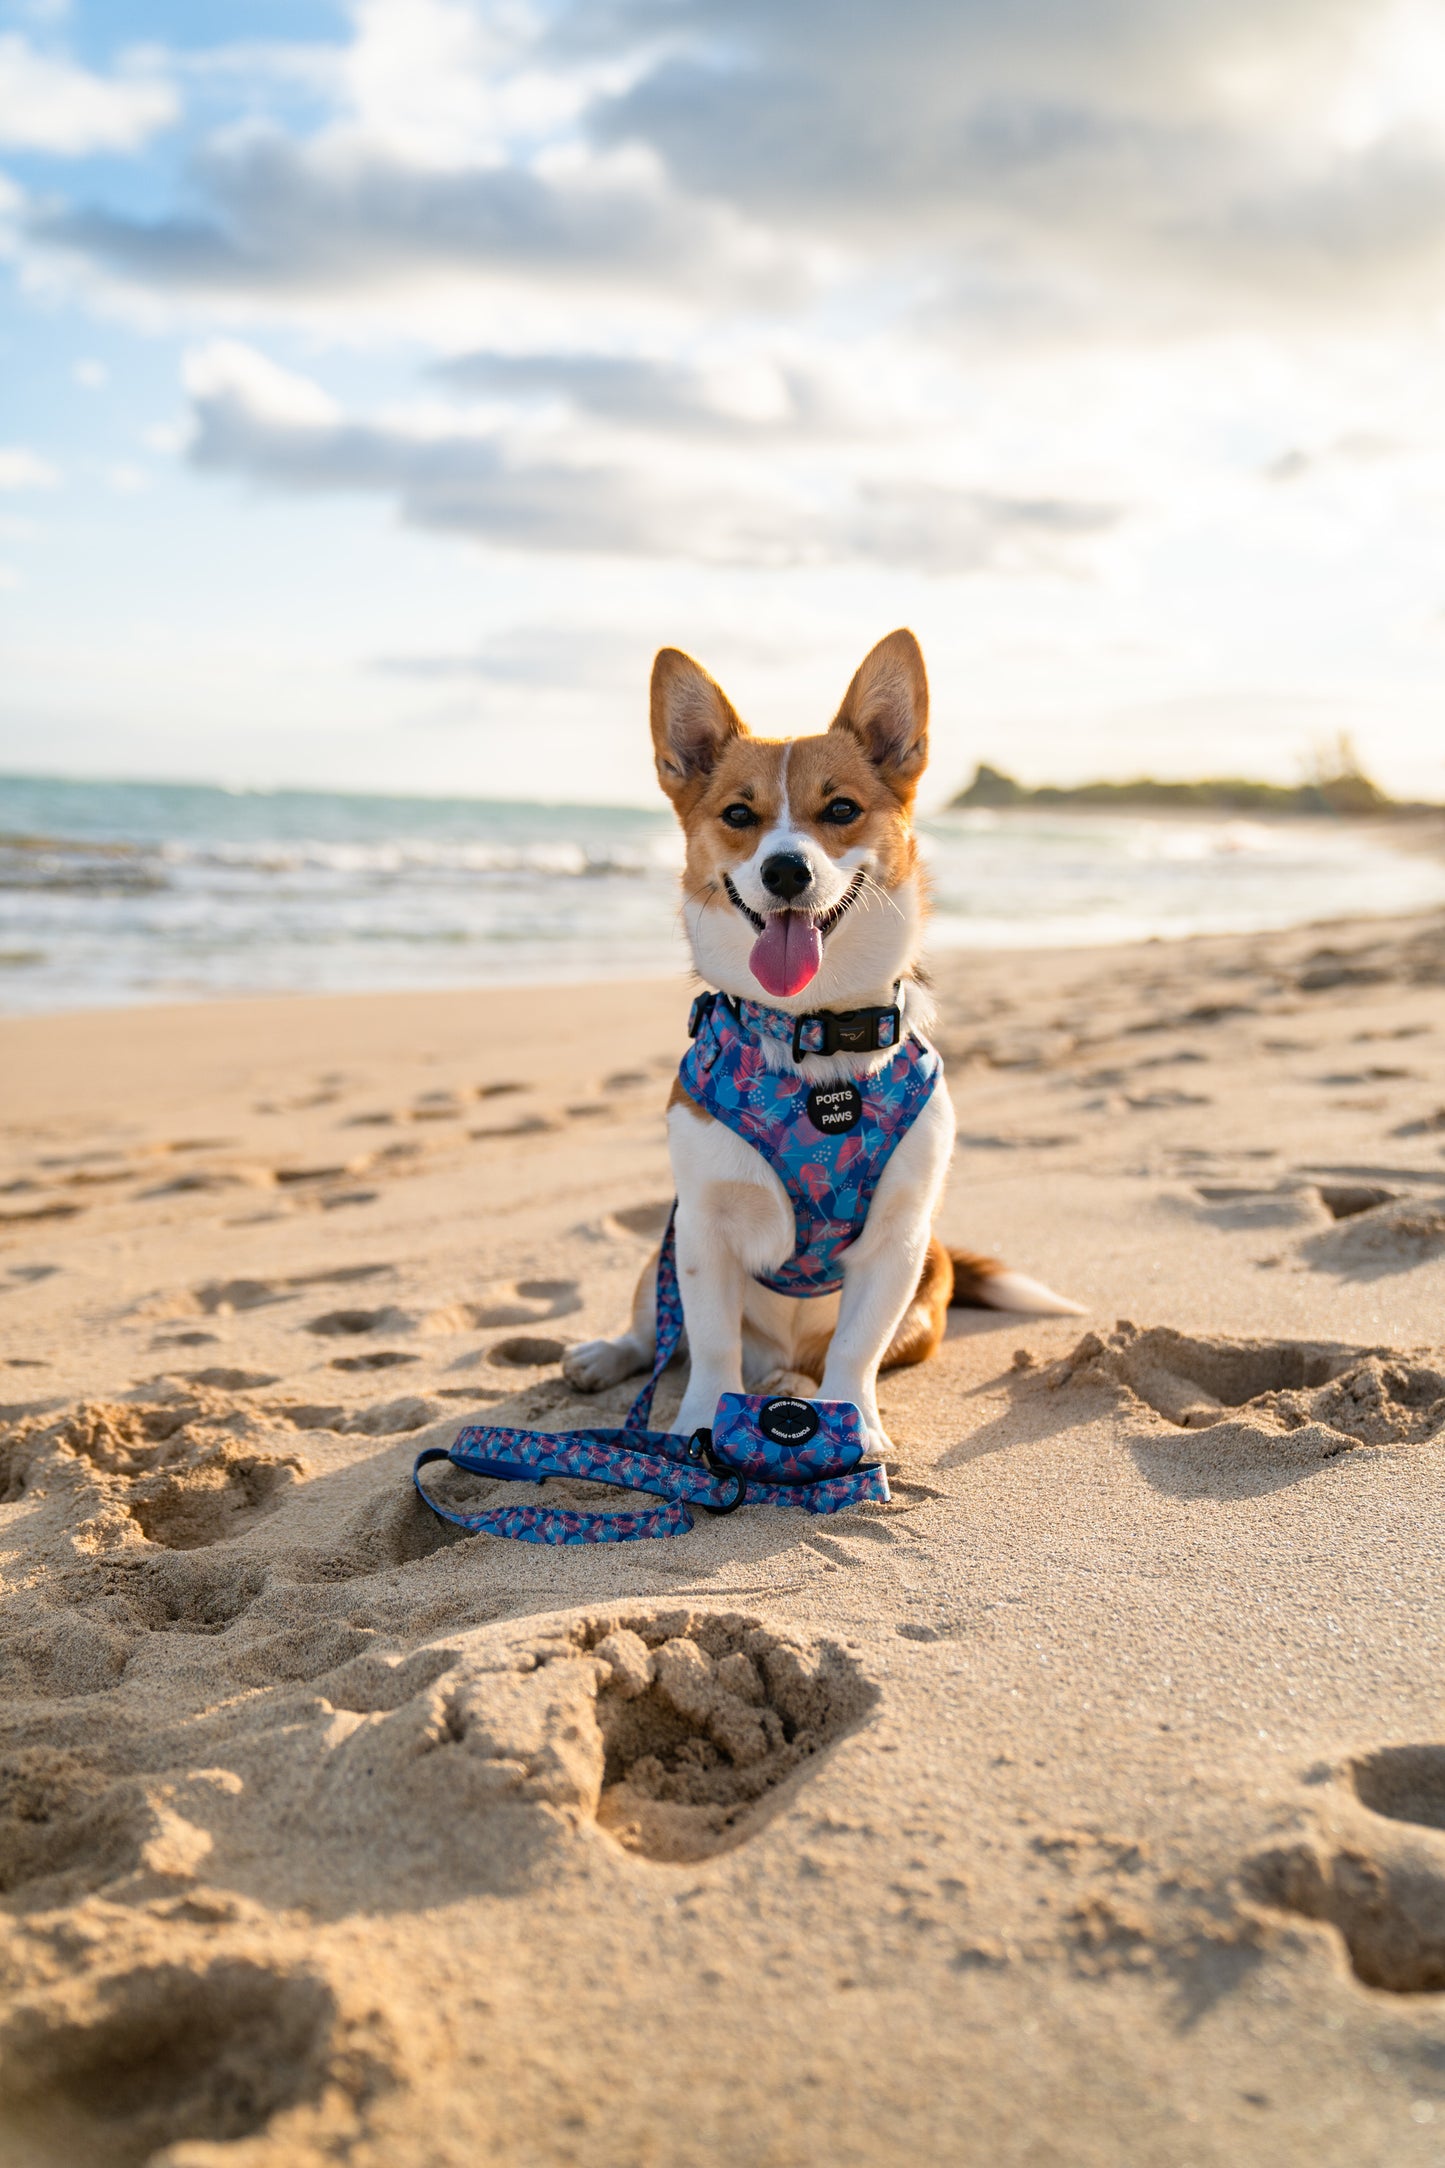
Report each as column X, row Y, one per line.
column 122, row 892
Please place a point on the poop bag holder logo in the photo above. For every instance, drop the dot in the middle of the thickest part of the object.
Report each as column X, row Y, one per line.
column 779, row 1439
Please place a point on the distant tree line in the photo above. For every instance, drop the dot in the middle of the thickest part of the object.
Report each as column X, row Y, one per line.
column 1339, row 786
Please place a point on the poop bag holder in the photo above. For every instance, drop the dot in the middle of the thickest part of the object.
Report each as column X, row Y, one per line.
column 776, row 1450
column 782, row 1440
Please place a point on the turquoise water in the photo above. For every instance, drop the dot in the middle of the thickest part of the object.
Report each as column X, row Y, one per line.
column 123, row 892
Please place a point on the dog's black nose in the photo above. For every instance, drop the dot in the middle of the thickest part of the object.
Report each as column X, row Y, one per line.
column 786, row 875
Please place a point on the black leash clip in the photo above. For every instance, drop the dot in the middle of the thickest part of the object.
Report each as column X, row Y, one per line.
column 699, row 1447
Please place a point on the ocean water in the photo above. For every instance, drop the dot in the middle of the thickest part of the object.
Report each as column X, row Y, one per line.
column 130, row 892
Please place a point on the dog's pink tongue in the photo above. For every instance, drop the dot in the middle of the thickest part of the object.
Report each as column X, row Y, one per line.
column 787, row 953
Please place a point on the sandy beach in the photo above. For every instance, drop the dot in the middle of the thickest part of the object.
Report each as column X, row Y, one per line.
column 1085, row 1804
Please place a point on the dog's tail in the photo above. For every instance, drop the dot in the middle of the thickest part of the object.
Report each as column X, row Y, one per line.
column 984, row 1283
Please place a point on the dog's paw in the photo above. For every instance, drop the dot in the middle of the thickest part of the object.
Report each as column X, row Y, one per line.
column 795, row 1383
column 877, row 1443
column 880, row 1445
column 596, row 1364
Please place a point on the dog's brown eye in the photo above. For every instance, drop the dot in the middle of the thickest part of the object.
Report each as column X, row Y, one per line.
column 840, row 811
column 740, row 816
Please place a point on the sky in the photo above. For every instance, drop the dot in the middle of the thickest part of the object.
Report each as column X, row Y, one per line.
column 383, row 381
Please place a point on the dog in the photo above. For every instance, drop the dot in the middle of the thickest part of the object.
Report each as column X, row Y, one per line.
column 803, row 893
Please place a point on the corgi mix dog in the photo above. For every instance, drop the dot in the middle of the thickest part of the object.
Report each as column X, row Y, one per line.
column 803, row 892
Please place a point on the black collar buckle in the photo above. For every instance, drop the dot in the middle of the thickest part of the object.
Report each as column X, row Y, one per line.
column 849, row 1031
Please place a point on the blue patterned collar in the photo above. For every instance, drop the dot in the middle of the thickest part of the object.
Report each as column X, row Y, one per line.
column 816, row 1031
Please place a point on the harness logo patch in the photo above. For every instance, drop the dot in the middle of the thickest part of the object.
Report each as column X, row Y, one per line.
column 788, row 1422
column 834, row 1107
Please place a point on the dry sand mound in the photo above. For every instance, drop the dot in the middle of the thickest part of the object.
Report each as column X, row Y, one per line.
column 1391, row 1237
column 1264, row 1401
column 186, row 1468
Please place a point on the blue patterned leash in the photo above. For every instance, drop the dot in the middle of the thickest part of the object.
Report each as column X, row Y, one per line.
column 632, row 1458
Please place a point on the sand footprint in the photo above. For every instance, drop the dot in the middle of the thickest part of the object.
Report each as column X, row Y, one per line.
column 524, row 1125
column 220, row 1495
column 384, row 1419
column 509, row 1302
column 437, row 1106
column 333, row 1324
column 186, row 1592
column 631, row 1221
column 382, row 1358
column 1404, row 1784
column 704, row 1719
column 69, row 1828
column 104, row 2073
column 1381, row 1887
column 391, row 1528
column 224, row 1298
column 223, row 1379
column 28, row 1214
column 64, row 1829
column 1384, row 1231
column 61, row 1654
column 182, row 1471
column 679, row 1733
column 527, row 1351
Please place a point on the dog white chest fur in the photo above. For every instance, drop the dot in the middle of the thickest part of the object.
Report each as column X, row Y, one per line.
column 802, row 890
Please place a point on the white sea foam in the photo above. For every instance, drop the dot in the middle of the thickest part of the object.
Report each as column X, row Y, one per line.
column 142, row 892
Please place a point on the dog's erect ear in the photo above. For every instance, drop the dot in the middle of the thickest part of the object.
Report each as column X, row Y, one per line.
column 692, row 720
column 886, row 710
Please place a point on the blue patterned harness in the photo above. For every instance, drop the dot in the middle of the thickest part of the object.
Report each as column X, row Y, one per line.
column 829, row 1145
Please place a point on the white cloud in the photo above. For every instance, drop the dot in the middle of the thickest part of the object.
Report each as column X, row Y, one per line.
column 842, row 315
column 343, row 228
column 20, row 469
column 734, row 393
column 90, row 375
column 50, row 104
column 1126, row 172
column 560, row 487
column 1121, row 169
column 442, row 84
column 226, row 372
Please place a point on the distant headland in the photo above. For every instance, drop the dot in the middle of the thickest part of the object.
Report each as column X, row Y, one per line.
column 1347, row 793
